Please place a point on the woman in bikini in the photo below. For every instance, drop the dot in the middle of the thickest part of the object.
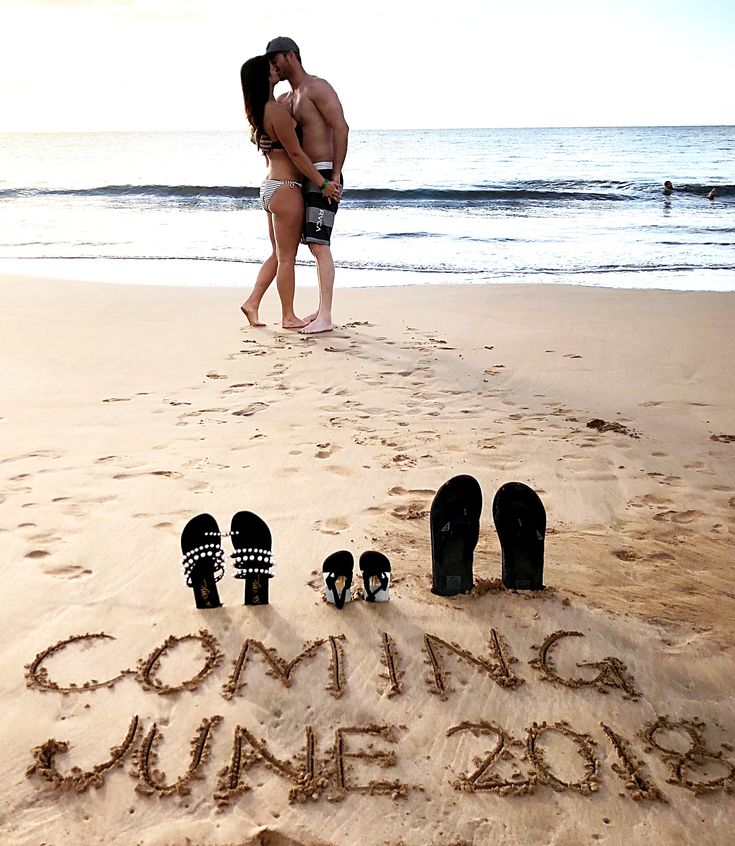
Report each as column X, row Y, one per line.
column 280, row 193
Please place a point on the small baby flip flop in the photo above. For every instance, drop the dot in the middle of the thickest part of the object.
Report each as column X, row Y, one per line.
column 252, row 558
column 375, row 576
column 337, row 574
column 203, row 561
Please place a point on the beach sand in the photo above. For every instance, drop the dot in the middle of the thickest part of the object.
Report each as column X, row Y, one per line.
column 129, row 409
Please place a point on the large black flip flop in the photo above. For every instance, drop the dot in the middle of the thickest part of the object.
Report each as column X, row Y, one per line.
column 203, row 561
column 520, row 520
column 375, row 569
column 455, row 528
column 252, row 557
column 337, row 575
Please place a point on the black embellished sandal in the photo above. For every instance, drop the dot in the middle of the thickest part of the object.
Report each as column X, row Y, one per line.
column 337, row 574
column 520, row 521
column 204, row 559
column 375, row 576
column 252, row 557
column 455, row 529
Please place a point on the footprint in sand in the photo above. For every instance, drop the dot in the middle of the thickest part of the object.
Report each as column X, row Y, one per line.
column 195, row 487
column 678, row 516
column 169, row 474
column 68, row 571
column 660, row 556
column 411, row 511
column 401, row 461
column 418, row 505
column 40, row 453
column 37, row 553
column 325, row 450
column 397, row 490
column 625, row 554
column 249, row 410
column 332, row 525
column 46, row 537
column 338, row 470
column 204, row 411
column 213, row 375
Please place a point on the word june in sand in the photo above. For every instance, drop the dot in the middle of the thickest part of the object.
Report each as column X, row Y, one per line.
column 515, row 766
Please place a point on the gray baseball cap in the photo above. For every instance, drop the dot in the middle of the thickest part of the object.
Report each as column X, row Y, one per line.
column 282, row 44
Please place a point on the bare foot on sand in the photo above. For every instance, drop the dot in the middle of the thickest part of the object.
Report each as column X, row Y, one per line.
column 318, row 325
column 310, row 318
column 251, row 314
column 293, row 323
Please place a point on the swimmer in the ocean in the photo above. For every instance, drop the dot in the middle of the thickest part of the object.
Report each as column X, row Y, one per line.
column 668, row 188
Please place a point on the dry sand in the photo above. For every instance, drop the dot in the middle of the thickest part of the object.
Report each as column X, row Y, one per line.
column 127, row 410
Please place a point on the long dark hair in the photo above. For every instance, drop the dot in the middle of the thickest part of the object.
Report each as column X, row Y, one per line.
column 256, row 91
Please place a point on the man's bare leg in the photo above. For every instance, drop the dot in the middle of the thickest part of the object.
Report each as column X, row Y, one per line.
column 265, row 276
column 322, row 321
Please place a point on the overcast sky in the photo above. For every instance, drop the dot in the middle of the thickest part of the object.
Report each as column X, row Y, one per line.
column 174, row 64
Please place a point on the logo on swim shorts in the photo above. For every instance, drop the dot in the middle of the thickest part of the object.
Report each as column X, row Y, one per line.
column 320, row 220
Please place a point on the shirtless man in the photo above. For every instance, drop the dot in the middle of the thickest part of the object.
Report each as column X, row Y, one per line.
column 315, row 105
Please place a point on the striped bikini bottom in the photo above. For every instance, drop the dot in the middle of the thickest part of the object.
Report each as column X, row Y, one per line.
column 269, row 188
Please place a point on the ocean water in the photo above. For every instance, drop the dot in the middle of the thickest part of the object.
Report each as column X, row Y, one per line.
column 580, row 206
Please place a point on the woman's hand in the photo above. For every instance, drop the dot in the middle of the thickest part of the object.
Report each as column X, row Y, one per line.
column 265, row 143
column 332, row 191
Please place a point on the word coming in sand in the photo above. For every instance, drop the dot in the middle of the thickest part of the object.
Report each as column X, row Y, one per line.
column 514, row 766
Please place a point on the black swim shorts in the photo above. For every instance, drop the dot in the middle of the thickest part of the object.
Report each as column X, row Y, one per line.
column 318, row 211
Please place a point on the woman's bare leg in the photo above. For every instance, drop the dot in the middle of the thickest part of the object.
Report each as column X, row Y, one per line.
column 265, row 276
column 287, row 210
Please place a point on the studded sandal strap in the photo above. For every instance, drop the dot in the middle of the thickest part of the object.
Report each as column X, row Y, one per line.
column 252, row 561
column 212, row 551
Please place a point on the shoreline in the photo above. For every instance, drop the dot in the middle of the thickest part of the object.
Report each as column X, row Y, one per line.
column 131, row 408
column 213, row 273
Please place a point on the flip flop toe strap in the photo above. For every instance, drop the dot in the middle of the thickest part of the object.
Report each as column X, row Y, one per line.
column 384, row 582
column 211, row 551
column 338, row 596
column 251, row 561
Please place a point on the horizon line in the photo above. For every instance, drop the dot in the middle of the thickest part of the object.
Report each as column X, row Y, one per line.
column 379, row 129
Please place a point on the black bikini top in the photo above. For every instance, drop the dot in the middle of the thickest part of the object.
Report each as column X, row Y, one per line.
column 276, row 145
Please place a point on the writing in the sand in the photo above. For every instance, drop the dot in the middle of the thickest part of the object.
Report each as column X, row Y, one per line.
column 514, row 766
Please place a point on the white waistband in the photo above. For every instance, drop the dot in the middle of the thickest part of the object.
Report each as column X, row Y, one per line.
column 323, row 165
